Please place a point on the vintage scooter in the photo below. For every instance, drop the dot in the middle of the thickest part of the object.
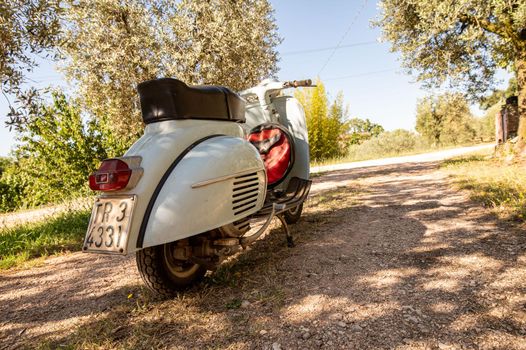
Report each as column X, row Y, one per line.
column 210, row 163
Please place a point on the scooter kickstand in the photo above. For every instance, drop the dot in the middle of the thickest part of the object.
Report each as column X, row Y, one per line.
column 285, row 228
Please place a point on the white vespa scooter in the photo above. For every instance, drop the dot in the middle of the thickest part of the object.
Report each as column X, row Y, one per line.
column 210, row 162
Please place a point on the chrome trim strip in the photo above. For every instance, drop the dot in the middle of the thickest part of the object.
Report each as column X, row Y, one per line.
column 224, row 178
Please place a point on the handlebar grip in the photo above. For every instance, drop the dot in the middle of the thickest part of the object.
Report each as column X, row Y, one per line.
column 298, row 83
column 306, row 82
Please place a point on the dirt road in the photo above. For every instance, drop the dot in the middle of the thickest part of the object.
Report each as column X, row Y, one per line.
column 386, row 257
column 416, row 158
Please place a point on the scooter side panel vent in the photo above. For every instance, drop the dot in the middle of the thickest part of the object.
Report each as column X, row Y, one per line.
column 245, row 194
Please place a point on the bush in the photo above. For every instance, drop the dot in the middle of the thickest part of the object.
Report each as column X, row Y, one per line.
column 389, row 143
column 12, row 184
column 57, row 151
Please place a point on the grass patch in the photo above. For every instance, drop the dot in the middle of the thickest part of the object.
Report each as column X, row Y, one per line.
column 495, row 184
column 233, row 304
column 58, row 234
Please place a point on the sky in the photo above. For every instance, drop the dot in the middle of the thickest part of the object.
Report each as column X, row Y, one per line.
column 369, row 75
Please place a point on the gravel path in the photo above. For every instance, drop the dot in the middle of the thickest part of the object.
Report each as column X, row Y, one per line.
column 416, row 158
column 20, row 217
column 386, row 257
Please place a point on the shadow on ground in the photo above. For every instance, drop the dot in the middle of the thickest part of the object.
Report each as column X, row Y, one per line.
column 391, row 258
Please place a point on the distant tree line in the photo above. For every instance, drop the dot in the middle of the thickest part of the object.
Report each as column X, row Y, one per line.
column 331, row 131
column 441, row 120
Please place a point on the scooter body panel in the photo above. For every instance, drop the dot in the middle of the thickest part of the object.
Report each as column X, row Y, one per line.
column 292, row 117
column 199, row 195
column 179, row 210
column 269, row 105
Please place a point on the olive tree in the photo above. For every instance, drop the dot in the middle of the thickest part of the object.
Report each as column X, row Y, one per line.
column 461, row 42
column 28, row 28
column 112, row 45
column 107, row 47
column 445, row 119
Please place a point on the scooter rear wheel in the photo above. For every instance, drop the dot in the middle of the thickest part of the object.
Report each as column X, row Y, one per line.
column 165, row 275
column 293, row 215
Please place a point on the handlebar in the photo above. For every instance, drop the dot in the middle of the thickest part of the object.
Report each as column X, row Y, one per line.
column 298, row 83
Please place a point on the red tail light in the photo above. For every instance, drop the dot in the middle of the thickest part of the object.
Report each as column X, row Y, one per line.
column 113, row 175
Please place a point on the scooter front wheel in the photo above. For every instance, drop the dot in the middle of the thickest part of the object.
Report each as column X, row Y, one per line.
column 165, row 275
column 293, row 215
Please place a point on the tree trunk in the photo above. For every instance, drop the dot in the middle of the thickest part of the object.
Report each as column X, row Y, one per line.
column 521, row 84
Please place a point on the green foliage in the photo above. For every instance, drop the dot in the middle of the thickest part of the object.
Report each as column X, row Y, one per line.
column 57, row 152
column 499, row 96
column 325, row 122
column 359, row 130
column 12, row 185
column 445, row 120
column 460, row 42
column 57, row 234
column 4, row 163
column 127, row 42
column 389, row 143
column 456, row 41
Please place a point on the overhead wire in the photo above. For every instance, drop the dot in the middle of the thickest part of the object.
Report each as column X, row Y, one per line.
column 362, row 74
column 321, row 49
column 343, row 36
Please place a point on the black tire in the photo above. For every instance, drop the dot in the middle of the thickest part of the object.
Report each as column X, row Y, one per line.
column 293, row 215
column 163, row 274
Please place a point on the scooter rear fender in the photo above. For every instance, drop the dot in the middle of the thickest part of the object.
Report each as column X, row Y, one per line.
column 190, row 170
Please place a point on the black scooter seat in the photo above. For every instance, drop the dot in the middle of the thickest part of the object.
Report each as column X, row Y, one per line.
column 171, row 99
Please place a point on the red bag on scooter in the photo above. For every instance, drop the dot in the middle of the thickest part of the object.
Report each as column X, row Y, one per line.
column 276, row 146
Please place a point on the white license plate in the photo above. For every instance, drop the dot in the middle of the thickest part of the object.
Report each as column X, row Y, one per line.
column 110, row 225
